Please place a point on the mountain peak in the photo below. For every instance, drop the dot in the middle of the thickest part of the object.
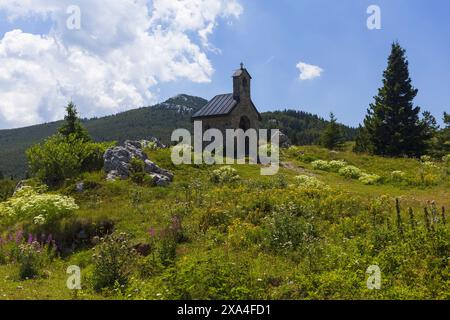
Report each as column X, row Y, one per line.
column 184, row 103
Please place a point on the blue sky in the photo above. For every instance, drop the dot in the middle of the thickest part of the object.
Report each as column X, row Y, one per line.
column 108, row 66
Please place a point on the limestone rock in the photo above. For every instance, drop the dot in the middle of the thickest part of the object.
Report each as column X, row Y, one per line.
column 117, row 163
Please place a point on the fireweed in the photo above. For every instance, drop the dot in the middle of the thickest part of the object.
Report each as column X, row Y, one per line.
column 29, row 252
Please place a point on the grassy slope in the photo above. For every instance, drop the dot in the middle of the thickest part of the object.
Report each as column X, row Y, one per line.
column 279, row 275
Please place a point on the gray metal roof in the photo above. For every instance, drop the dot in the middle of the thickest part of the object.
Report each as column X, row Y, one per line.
column 220, row 105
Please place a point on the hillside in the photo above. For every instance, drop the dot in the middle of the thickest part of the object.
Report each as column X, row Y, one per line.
column 158, row 121
column 306, row 233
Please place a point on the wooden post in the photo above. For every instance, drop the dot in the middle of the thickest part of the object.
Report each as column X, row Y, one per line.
column 411, row 218
column 427, row 218
column 399, row 217
column 443, row 215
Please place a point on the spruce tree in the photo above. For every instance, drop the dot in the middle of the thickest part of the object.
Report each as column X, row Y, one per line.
column 444, row 136
column 72, row 125
column 362, row 141
column 392, row 122
column 332, row 136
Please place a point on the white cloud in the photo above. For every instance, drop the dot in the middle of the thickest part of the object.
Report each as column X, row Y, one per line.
column 125, row 48
column 309, row 71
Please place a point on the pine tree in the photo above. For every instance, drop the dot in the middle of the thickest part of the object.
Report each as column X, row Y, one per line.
column 444, row 137
column 392, row 122
column 362, row 141
column 72, row 125
column 332, row 136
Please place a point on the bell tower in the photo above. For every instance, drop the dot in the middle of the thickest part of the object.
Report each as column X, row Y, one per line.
column 241, row 83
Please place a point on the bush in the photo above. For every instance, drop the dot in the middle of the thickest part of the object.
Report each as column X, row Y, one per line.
column 30, row 255
column 114, row 260
column 336, row 165
column 137, row 170
column 398, row 176
column 446, row 160
column 369, row 179
column 321, row 165
column 59, row 158
column 34, row 205
column 214, row 217
column 214, row 276
column 309, row 182
column 6, row 189
column 225, row 174
column 169, row 238
column 288, row 228
column 351, row 172
column 243, row 234
column 31, row 258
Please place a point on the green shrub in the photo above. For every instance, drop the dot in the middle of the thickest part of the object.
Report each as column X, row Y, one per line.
column 336, row 165
column 214, row 217
column 321, row 165
column 398, row 176
column 59, row 158
column 30, row 259
column 369, row 179
column 6, row 189
column 309, row 182
column 243, row 234
column 351, row 172
column 288, row 228
column 36, row 206
column 137, row 170
column 213, row 276
column 114, row 261
column 446, row 160
column 225, row 174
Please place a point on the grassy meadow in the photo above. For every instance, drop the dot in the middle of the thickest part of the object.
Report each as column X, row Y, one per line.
column 241, row 235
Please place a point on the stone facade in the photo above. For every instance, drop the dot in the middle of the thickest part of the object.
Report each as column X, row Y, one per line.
column 243, row 115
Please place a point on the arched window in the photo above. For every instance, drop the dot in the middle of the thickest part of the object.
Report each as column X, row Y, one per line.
column 244, row 83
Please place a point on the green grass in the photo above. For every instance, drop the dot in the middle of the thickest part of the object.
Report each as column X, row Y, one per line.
column 233, row 257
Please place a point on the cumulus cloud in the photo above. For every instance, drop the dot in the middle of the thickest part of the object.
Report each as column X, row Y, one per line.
column 309, row 71
column 123, row 51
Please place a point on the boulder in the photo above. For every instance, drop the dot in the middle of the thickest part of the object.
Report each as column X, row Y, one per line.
column 117, row 163
column 153, row 140
column 284, row 141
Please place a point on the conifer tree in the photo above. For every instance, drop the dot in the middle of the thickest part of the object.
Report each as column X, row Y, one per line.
column 392, row 122
column 444, row 136
column 72, row 125
column 362, row 141
column 332, row 136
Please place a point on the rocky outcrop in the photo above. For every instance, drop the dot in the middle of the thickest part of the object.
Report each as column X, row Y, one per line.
column 152, row 142
column 283, row 140
column 117, row 163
